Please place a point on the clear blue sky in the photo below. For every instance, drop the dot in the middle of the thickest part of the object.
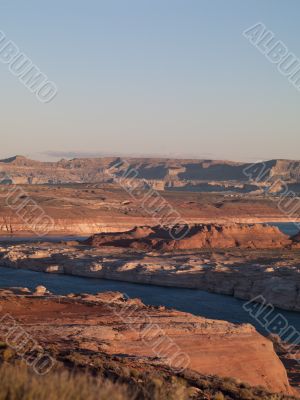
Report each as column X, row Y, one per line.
column 165, row 77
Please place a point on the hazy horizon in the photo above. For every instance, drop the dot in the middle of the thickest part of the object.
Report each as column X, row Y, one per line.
column 53, row 157
column 167, row 79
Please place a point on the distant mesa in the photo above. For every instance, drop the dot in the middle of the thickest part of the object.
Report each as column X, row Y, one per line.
column 162, row 173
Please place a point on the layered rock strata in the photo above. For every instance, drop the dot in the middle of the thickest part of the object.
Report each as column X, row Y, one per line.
column 256, row 236
column 109, row 323
column 245, row 274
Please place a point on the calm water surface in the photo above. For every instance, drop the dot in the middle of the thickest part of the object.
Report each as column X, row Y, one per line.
column 197, row 302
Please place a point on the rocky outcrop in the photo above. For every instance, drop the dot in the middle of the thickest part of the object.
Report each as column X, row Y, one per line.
column 41, row 291
column 245, row 274
column 114, row 325
column 256, row 236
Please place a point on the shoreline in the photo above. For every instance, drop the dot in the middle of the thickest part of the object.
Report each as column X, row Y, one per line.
column 243, row 274
column 85, row 230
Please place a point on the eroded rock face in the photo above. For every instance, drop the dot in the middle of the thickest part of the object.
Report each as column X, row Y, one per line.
column 252, row 236
column 242, row 273
column 113, row 324
column 160, row 173
column 85, row 210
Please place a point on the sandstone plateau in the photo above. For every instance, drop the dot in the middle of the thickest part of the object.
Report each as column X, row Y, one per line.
column 111, row 324
column 85, row 209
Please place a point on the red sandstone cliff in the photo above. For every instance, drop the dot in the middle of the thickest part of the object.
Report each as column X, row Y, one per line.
column 256, row 236
column 112, row 324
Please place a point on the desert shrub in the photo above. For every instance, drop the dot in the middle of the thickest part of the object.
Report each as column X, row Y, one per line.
column 134, row 373
column 176, row 391
column 7, row 354
column 84, row 375
column 246, row 394
column 19, row 383
column 219, row 396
